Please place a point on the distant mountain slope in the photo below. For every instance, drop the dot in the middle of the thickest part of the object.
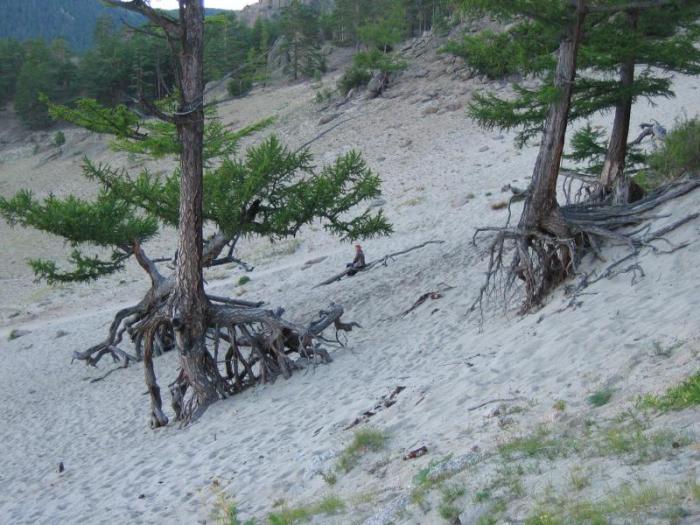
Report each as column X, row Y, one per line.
column 73, row 20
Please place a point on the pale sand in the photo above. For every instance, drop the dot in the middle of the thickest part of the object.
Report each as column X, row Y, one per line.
column 272, row 442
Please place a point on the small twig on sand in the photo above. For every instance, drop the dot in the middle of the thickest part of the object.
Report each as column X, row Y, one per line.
column 502, row 400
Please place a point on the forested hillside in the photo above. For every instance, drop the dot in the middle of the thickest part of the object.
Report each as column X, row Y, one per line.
column 71, row 20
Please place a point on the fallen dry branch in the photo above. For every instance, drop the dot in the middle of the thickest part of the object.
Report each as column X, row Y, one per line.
column 382, row 261
column 385, row 402
column 492, row 401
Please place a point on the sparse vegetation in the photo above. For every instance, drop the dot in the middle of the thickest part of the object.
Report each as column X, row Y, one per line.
column 600, row 397
column 631, row 505
column 451, row 493
column 580, row 478
column 225, row 510
column 243, row 279
column 679, row 397
column 679, row 154
column 639, row 445
column 59, row 139
column 290, row 516
column 540, row 443
column 364, row 440
column 329, row 477
column 559, row 405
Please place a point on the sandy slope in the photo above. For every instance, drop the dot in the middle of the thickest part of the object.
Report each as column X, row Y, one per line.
column 272, row 442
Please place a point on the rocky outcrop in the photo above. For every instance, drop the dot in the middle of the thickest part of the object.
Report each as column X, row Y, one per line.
column 271, row 8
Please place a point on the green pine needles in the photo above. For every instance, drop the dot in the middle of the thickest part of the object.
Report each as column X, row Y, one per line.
column 268, row 191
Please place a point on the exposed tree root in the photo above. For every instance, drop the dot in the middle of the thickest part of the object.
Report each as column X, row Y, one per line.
column 541, row 260
column 243, row 345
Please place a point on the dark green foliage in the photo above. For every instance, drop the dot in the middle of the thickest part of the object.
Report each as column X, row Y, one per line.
column 270, row 191
column 237, row 87
column 45, row 71
column 11, row 59
column 600, row 398
column 679, row 397
column 59, row 139
column 589, row 146
column 680, row 152
column 50, row 19
column 69, row 19
column 364, row 65
column 354, row 77
column 525, row 48
column 662, row 37
column 383, row 23
column 299, row 27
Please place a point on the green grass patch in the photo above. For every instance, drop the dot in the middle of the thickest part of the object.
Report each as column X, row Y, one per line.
column 290, row 516
column 364, row 440
column 243, row 280
column 624, row 505
column 679, row 397
column 643, row 447
column 540, row 443
column 600, row 398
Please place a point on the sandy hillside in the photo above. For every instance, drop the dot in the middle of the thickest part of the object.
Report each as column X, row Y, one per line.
column 278, row 446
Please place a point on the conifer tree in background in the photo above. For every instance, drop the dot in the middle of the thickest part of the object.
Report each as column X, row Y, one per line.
column 271, row 192
column 625, row 55
column 11, row 60
column 45, row 70
column 548, row 237
column 299, row 26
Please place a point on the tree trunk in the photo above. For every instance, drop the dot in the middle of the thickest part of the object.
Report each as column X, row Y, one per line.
column 612, row 179
column 541, row 211
column 188, row 303
column 544, row 254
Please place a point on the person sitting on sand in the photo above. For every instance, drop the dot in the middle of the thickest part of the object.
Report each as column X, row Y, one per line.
column 358, row 263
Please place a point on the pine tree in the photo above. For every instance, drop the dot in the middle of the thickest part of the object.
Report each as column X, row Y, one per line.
column 549, row 238
column 614, row 46
column 45, row 71
column 269, row 191
column 300, row 29
column 11, row 60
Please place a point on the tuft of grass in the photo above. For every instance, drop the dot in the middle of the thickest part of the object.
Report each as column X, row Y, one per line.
column 679, row 397
column 679, row 154
column 482, row 495
column 225, row 511
column 290, row 516
column 14, row 334
column 580, row 479
column 643, row 447
column 500, row 205
column 447, row 509
column 600, row 398
column 494, row 514
column 559, row 405
column 364, row 440
column 540, row 443
column 625, row 505
column 329, row 477
column 243, row 280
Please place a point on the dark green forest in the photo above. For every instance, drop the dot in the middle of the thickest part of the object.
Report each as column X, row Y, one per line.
column 66, row 19
column 51, row 57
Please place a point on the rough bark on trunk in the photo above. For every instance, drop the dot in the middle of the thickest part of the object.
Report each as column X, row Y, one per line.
column 544, row 254
column 541, row 210
column 612, row 179
column 188, row 303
